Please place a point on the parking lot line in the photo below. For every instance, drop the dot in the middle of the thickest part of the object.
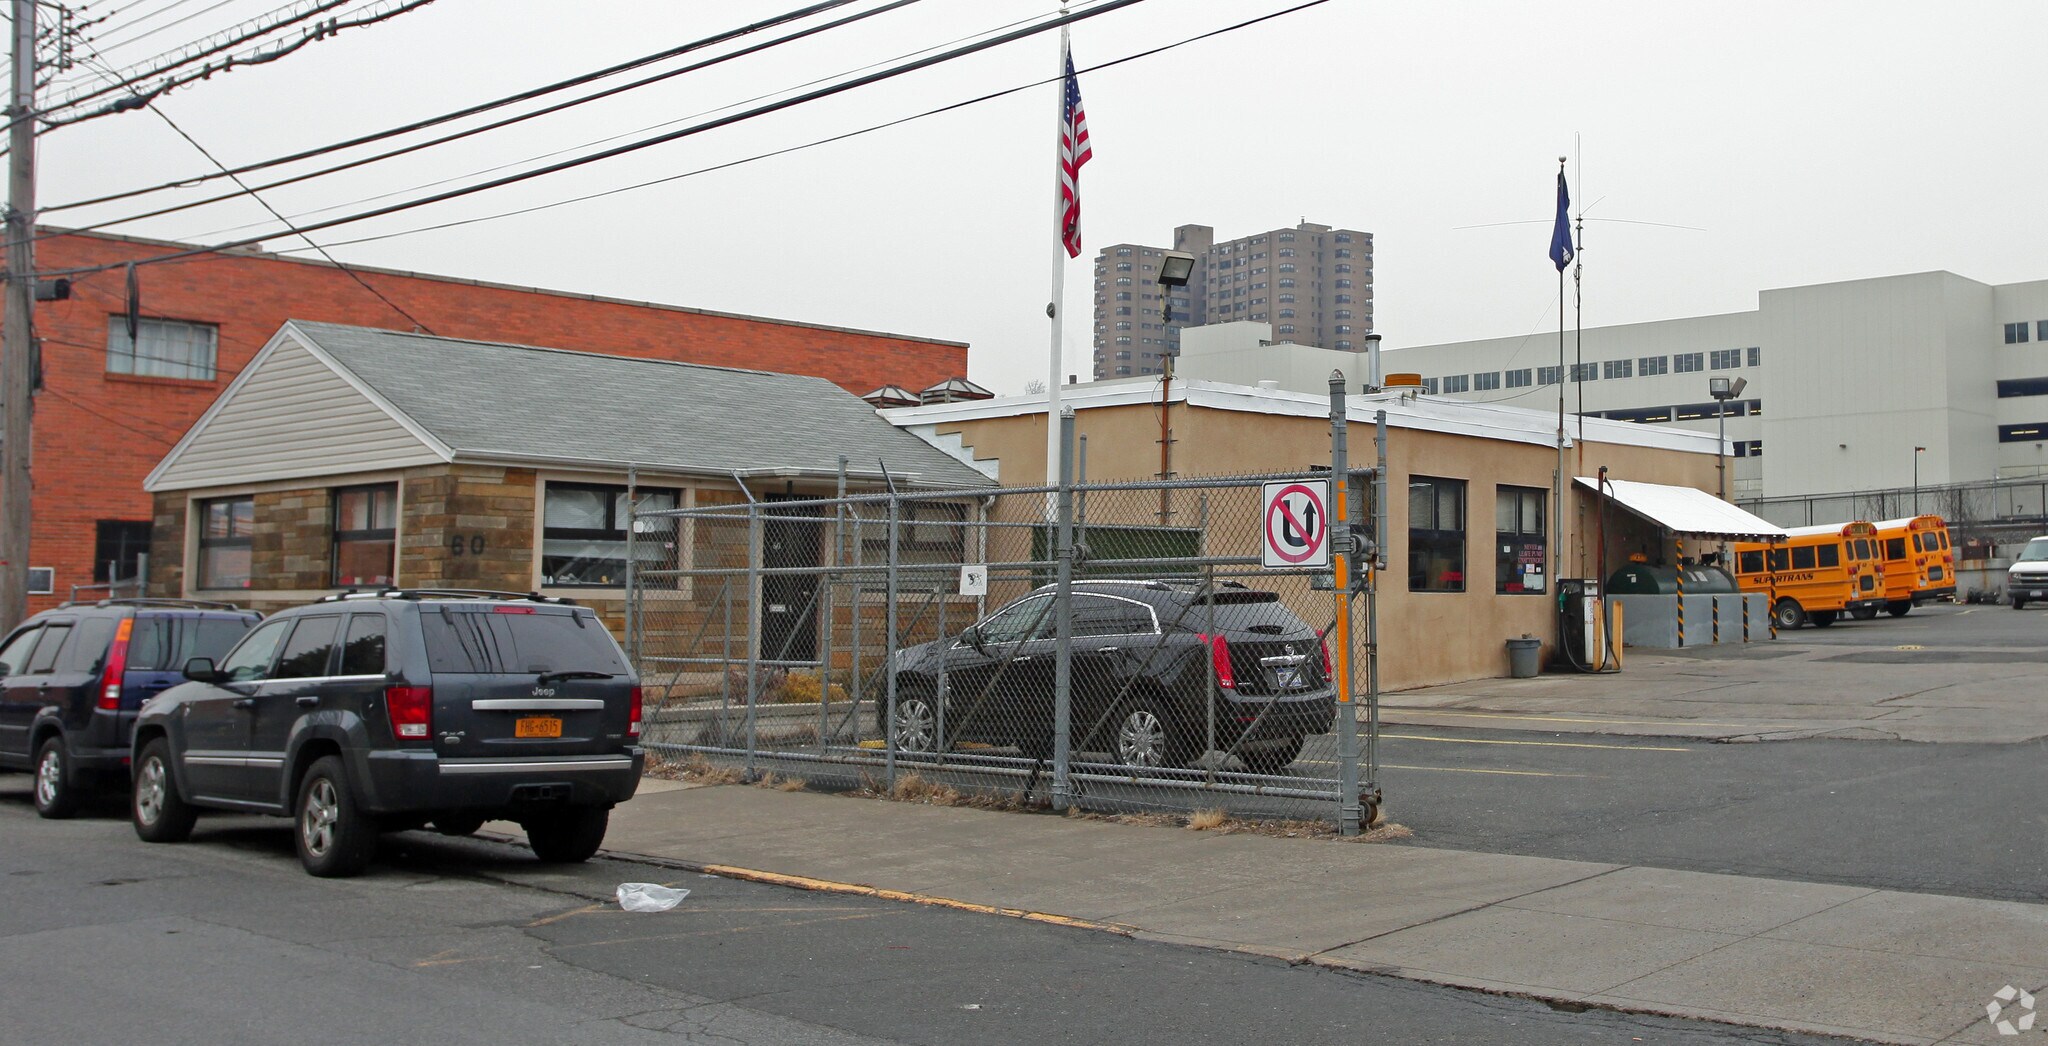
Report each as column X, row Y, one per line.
column 1552, row 718
column 1538, row 744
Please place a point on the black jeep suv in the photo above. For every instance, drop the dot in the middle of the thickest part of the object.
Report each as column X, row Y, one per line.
column 383, row 711
column 1147, row 656
column 72, row 678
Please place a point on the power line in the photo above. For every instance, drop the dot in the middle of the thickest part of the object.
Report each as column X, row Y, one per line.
column 645, row 143
column 544, row 111
column 125, row 41
column 512, row 99
column 263, row 26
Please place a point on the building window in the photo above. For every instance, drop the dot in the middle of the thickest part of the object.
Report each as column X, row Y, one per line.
column 1518, row 539
column 1585, row 372
column 1549, row 375
column 162, row 349
column 1458, row 383
column 1436, row 534
column 2025, row 432
column 1345, row 345
column 1343, row 283
column 1618, row 368
column 1727, row 359
column 1486, row 382
column 1343, row 252
column 1429, row 385
column 2016, row 333
column 224, row 528
column 2041, row 330
column 1688, row 362
column 1343, row 237
column 42, row 581
column 1651, row 366
column 365, row 535
column 583, row 533
column 1518, row 379
column 2007, row 389
column 116, row 545
column 1756, row 355
column 1287, row 328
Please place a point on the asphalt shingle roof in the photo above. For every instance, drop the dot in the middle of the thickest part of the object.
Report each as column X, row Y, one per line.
column 495, row 400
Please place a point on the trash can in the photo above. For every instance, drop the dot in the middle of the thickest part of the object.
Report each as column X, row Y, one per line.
column 1522, row 653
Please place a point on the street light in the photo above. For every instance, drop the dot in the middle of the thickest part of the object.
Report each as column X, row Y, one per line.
column 1917, row 451
column 1175, row 269
column 1723, row 390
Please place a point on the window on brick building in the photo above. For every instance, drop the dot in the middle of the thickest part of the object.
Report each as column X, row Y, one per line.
column 366, row 535
column 583, row 533
column 162, row 348
column 224, row 528
column 117, row 544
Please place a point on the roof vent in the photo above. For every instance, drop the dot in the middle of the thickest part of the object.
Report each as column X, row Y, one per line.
column 891, row 396
column 955, row 390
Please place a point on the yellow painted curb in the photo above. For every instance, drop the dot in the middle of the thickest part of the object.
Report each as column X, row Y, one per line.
column 804, row 882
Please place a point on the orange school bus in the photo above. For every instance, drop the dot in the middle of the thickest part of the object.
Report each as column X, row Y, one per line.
column 1822, row 573
column 1919, row 565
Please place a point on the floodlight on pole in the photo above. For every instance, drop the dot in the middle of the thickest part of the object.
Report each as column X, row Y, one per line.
column 1175, row 269
column 1917, row 451
column 1723, row 390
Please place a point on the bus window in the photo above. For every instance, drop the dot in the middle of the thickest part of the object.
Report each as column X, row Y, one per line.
column 1750, row 563
column 1778, row 560
column 1918, row 546
column 1895, row 548
column 1863, row 550
column 1802, row 557
column 1830, row 556
column 1943, row 538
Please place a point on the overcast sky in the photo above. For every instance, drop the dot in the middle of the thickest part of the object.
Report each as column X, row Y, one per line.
column 1807, row 142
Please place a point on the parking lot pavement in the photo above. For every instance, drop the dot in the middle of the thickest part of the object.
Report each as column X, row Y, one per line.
column 1941, row 674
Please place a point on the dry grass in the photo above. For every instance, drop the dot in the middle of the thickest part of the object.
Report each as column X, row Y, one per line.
column 1207, row 820
column 912, row 787
column 781, row 783
column 1219, row 822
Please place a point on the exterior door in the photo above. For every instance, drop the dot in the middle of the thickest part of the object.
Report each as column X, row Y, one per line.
column 18, row 703
column 994, row 686
column 789, row 602
column 217, row 723
column 293, row 689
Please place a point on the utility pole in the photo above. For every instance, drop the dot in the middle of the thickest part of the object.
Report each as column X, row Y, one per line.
column 17, row 339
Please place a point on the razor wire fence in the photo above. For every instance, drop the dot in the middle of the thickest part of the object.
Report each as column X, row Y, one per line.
column 1112, row 646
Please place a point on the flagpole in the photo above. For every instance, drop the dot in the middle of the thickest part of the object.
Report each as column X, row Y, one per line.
column 1056, row 311
column 1557, row 510
column 1579, row 313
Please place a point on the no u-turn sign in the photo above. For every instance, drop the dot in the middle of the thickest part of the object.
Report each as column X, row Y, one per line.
column 1297, row 524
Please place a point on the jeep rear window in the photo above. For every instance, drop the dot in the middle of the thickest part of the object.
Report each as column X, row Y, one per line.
column 164, row 644
column 460, row 640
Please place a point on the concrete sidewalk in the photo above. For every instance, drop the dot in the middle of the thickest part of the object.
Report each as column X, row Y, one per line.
column 1895, row 967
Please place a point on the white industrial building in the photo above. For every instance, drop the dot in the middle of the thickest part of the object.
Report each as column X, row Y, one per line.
column 1844, row 381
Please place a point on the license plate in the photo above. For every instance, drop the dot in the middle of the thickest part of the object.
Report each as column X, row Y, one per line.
column 1287, row 678
column 2037, row 593
column 538, row 726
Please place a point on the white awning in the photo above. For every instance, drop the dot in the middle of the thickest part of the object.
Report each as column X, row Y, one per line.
column 1684, row 510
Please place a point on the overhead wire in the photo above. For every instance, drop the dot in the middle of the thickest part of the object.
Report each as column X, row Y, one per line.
column 169, row 64
column 520, row 118
column 482, row 107
column 956, row 53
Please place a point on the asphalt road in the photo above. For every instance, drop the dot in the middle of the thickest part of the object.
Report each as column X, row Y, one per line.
column 225, row 941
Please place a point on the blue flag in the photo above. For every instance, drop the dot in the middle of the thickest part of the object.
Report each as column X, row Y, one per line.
column 1561, row 236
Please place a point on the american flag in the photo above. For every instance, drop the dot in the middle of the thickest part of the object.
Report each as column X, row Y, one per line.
column 1074, row 151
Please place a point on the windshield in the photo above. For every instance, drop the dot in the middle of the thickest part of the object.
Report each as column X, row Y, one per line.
column 2036, row 551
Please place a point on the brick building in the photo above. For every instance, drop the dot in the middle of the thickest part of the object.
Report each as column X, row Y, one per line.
column 109, row 409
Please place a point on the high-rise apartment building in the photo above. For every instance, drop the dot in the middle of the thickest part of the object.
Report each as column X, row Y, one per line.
column 1311, row 282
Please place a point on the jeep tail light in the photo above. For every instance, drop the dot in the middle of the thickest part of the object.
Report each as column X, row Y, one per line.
column 117, row 665
column 412, row 711
column 633, row 715
column 1219, row 656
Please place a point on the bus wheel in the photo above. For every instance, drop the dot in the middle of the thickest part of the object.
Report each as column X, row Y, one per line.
column 1863, row 613
column 1898, row 608
column 1823, row 618
column 1788, row 614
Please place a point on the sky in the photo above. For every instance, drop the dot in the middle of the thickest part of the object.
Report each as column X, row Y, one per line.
column 1717, row 150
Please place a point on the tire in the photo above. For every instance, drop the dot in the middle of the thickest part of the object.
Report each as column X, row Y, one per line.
column 1788, row 614
column 1147, row 736
column 160, row 814
column 2018, row 603
column 458, row 824
column 917, row 722
column 1898, row 608
column 569, row 836
column 335, row 839
column 1822, row 618
column 57, row 787
column 1863, row 613
column 1271, row 757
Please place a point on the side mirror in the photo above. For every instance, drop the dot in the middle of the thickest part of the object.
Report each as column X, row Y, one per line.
column 200, row 670
column 973, row 638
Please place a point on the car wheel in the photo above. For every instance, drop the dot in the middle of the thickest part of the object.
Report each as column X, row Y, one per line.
column 1899, row 608
column 568, row 836
column 1147, row 736
column 1788, row 614
column 1863, row 613
column 917, row 723
column 57, row 786
column 1823, row 618
column 458, row 824
column 2018, row 603
column 161, row 815
column 1271, row 757
column 335, row 840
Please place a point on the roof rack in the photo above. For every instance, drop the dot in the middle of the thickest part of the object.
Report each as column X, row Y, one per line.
column 443, row 593
column 156, row 601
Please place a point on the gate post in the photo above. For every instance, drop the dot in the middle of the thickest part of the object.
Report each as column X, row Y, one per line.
column 1341, row 554
column 1063, row 620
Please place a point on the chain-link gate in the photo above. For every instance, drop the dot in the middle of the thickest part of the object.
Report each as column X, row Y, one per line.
column 1116, row 646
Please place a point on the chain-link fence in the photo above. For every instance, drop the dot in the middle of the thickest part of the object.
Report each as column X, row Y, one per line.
column 1116, row 646
column 1989, row 512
